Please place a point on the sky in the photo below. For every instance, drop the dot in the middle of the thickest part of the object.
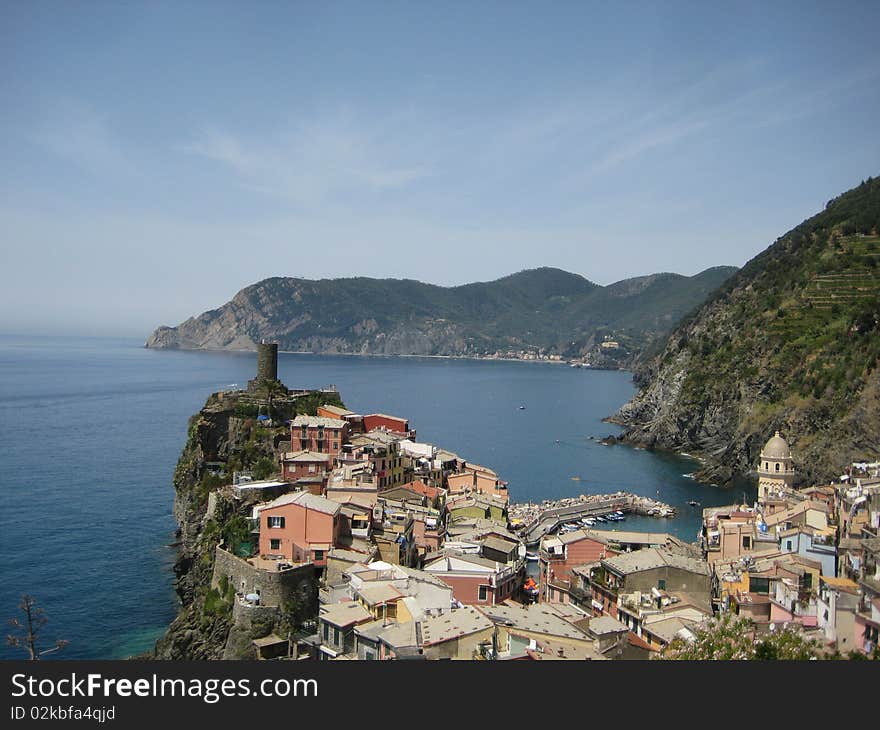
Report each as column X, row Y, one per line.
column 157, row 157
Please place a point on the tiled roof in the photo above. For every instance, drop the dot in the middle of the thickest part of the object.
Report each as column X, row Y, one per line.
column 300, row 421
column 452, row 625
column 650, row 558
column 344, row 614
column 304, row 499
column 538, row 618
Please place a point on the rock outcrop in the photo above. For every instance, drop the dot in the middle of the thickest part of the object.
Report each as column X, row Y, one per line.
column 208, row 626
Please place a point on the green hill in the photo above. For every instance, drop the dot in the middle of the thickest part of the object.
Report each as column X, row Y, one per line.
column 791, row 342
column 544, row 308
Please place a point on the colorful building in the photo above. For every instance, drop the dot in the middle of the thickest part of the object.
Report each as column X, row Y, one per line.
column 318, row 434
column 300, row 526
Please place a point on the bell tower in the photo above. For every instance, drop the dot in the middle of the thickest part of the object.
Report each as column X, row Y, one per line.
column 776, row 468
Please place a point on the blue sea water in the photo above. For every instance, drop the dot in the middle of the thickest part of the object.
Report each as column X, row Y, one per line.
column 91, row 429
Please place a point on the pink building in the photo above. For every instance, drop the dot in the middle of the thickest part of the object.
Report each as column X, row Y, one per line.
column 296, row 465
column 479, row 479
column 867, row 627
column 300, row 526
column 475, row 580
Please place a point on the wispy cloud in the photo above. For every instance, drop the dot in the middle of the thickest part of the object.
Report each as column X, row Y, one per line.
column 682, row 114
column 310, row 163
column 642, row 142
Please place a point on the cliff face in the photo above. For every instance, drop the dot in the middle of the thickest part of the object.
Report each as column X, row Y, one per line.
column 207, row 626
column 790, row 343
column 542, row 308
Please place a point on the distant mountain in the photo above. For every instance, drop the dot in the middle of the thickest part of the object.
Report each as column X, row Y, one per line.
column 791, row 342
column 536, row 309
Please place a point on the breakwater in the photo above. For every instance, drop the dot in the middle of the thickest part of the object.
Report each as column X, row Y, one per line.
column 534, row 520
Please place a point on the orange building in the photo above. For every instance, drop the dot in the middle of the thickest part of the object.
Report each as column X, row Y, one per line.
column 300, row 526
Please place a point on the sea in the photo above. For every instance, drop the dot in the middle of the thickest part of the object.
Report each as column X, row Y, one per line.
column 91, row 430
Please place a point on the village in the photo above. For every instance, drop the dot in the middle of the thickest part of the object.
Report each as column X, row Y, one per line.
column 394, row 548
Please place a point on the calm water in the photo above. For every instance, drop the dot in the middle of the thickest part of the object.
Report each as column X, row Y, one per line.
column 91, row 429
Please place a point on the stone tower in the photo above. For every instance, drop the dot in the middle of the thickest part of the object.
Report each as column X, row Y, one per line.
column 267, row 361
column 776, row 468
column 267, row 365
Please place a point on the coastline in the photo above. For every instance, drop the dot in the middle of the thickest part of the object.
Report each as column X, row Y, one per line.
column 383, row 355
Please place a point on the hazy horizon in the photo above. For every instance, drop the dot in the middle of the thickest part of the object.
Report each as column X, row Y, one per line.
column 159, row 157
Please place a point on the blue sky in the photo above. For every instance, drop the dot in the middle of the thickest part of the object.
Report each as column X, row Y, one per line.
column 157, row 157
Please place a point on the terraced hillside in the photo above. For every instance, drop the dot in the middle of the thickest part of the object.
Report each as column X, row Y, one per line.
column 791, row 343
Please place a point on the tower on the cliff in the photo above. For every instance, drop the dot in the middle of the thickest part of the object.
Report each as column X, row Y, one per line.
column 267, row 364
column 267, row 361
column 776, row 468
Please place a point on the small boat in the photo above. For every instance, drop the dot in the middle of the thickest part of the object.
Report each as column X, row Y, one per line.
column 522, row 408
column 531, row 557
column 693, row 503
column 575, row 479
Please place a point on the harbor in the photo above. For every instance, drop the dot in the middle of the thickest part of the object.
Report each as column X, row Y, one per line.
column 535, row 520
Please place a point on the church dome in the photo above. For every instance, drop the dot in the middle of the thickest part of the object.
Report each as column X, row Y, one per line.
column 776, row 448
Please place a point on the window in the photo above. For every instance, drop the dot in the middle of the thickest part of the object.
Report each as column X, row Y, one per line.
column 274, row 544
column 788, row 544
column 777, row 466
column 759, row 585
column 483, row 593
column 661, row 584
column 276, row 521
column 747, row 542
column 326, row 632
column 311, row 468
column 319, row 554
column 336, row 636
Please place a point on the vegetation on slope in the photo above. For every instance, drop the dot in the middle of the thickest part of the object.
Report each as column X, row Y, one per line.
column 791, row 342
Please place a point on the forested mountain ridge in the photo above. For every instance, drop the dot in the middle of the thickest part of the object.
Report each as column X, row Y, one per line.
column 539, row 309
column 790, row 343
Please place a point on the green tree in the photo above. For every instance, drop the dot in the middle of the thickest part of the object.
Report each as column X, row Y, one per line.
column 263, row 468
column 733, row 637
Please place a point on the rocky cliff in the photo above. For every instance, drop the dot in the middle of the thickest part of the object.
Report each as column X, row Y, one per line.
column 789, row 343
column 225, row 433
column 543, row 308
